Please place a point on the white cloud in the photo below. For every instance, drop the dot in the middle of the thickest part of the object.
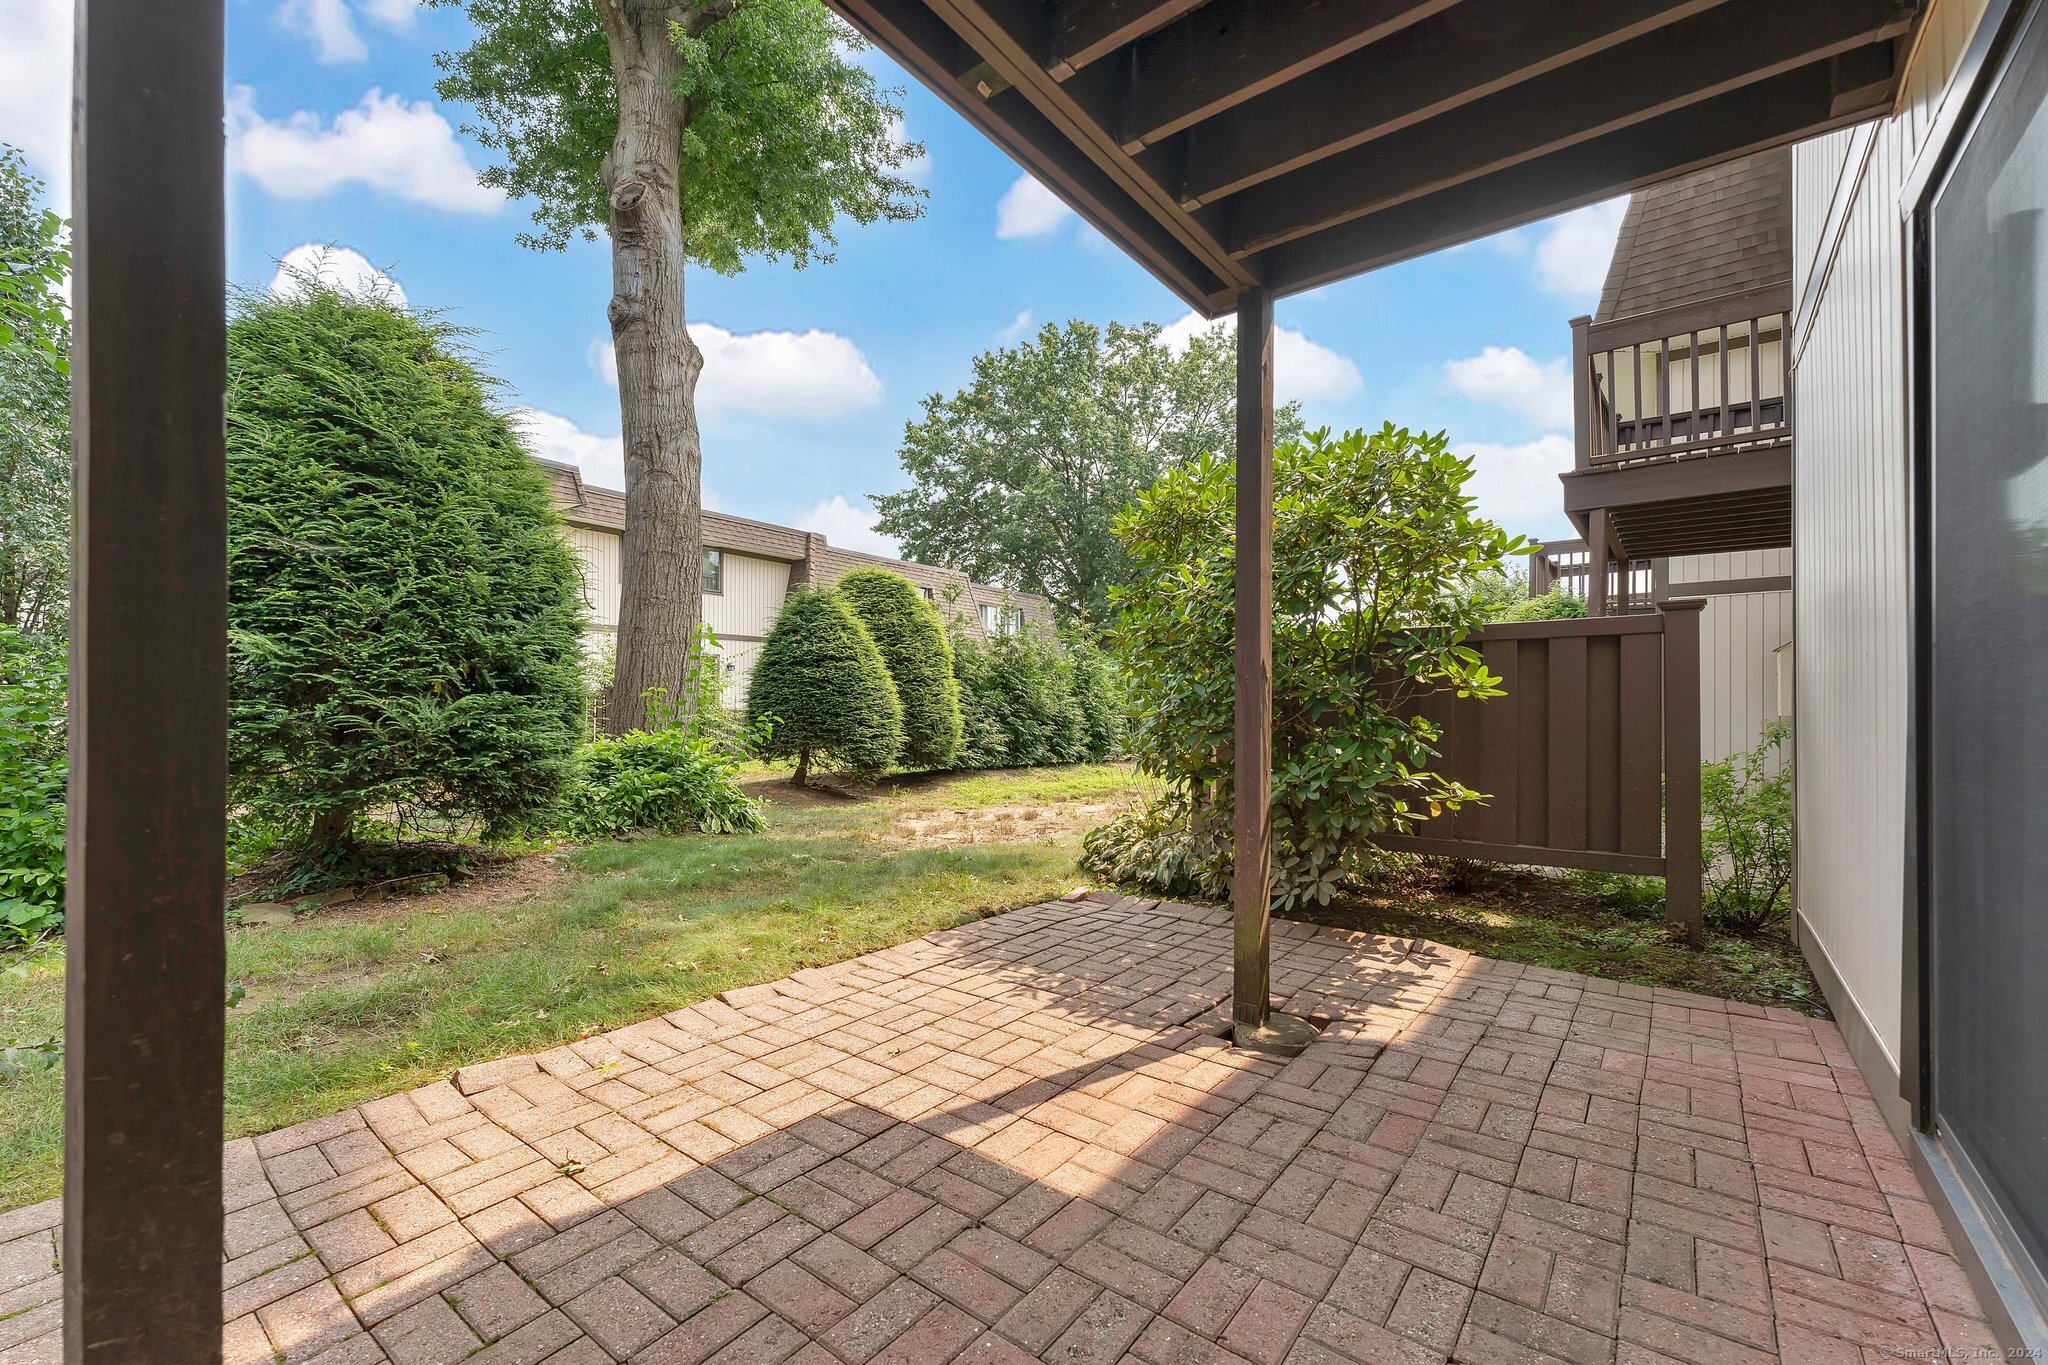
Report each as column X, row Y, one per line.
column 1303, row 370
column 1572, row 251
column 918, row 169
column 1508, row 377
column 330, row 25
column 770, row 374
column 406, row 151
column 848, row 526
column 1029, row 209
column 339, row 266
column 1516, row 485
column 35, row 88
column 1018, row 327
column 603, row 360
column 554, row 437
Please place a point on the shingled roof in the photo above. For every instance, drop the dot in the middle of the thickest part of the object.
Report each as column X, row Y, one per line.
column 1721, row 231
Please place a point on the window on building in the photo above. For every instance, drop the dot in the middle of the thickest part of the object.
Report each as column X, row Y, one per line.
column 997, row 620
column 928, row 594
column 714, row 571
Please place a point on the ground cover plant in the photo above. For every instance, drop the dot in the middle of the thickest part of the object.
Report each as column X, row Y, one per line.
column 345, row 1004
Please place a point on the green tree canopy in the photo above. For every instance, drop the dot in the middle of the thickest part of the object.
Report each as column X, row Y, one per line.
column 822, row 689
column 405, row 617
column 35, row 405
column 1018, row 478
column 912, row 638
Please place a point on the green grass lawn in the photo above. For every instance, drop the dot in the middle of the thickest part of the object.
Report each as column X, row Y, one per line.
column 353, row 1003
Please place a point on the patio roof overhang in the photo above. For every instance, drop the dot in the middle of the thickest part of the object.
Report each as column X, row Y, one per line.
column 1284, row 144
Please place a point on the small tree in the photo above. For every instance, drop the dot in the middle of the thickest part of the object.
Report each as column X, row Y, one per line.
column 405, row 617
column 1746, row 804
column 912, row 638
column 1375, row 546
column 821, row 690
column 1017, row 695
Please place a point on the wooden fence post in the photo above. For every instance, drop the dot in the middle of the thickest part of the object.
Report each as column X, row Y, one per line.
column 1682, row 765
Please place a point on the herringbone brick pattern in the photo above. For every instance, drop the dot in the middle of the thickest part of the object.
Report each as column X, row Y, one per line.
column 1026, row 1140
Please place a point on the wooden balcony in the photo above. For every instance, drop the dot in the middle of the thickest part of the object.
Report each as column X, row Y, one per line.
column 1684, row 429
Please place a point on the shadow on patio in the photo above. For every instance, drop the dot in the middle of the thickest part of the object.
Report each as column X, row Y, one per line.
column 1026, row 1138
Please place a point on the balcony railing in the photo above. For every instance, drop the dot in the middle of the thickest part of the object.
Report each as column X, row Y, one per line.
column 1692, row 381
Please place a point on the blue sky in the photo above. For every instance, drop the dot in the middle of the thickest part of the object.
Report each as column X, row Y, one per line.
column 336, row 137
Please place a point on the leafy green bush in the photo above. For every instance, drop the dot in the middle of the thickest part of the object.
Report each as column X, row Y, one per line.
column 1017, row 695
column 405, row 618
column 1746, row 842
column 32, row 769
column 822, row 691
column 1098, row 687
column 666, row 780
column 912, row 638
column 1375, row 542
column 35, row 405
column 1555, row 605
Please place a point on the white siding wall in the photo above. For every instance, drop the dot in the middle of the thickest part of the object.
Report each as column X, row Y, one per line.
column 1739, row 639
column 599, row 551
column 740, row 615
column 1851, row 531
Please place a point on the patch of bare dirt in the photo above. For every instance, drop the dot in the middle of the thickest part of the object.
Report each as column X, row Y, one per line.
column 999, row 824
column 499, row 881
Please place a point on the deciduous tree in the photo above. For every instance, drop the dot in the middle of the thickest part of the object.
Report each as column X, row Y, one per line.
column 1016, row 479
column 698, row 130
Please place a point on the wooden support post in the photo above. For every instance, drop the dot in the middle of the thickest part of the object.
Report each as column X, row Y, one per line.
column 1596, row 562
column 1250, row 890
column 1584, row 437
column 1682, row 765
column 145, row 980
column 1257, row 1024
column 1541, row 576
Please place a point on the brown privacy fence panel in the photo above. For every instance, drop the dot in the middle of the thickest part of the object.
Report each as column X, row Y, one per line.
column 1591, row 760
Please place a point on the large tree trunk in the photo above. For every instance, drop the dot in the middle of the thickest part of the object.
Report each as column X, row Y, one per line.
column 661, row 558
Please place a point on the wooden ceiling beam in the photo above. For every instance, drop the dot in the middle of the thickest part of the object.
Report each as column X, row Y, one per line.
column 933, row 51
column 1707, row 55
column 1478, row 49
column 1085, row 31
column 1230, row 51
column 1767, row 114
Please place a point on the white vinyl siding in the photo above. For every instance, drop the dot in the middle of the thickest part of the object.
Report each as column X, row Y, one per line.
column 1851, row 528
column 599, row 551
column 1740, row 635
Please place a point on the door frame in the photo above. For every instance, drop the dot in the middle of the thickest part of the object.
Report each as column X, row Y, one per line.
column 2010, row 1285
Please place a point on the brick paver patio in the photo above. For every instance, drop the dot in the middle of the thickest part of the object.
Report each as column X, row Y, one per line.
column 1025, row 1139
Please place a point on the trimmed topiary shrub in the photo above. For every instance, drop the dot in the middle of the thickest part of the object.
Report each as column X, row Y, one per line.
column 405, row 618
column 912, row 638
column 821, row 690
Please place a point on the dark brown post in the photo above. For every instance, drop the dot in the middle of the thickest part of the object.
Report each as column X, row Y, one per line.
column 145, row 935
column 1250, row 890
column 1596, row 562
column 1582, row 396
column 1541, row 576
column 1682, row 765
